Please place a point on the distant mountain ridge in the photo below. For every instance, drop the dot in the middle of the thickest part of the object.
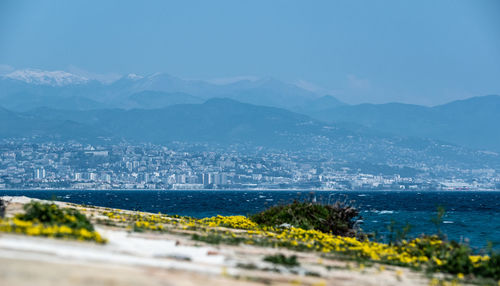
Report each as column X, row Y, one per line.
column 225, row 121
column 472, row 122
column 13, row 124
column 39, row 84
column 217, row 120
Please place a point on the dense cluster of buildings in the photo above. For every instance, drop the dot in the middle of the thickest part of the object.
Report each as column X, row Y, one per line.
column 73, row 165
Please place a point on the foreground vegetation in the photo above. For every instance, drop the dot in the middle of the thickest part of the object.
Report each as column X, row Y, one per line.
column 338, row 219
column 49, row 220
column 430, row 253
column 300, row 226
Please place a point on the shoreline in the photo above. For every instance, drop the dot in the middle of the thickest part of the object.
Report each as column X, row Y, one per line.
column 251, row 190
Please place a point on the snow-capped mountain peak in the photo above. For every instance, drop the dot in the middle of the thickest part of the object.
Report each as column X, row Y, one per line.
column 41, row 77
column 134, row 76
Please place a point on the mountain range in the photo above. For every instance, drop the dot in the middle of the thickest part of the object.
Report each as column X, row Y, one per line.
column 27, row 89
column 227, row 122
column 162, row 108
column 474, row 122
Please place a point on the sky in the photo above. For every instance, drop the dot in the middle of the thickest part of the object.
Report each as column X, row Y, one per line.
column 424, row 52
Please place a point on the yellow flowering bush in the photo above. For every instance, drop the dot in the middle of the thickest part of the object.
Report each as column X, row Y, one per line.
column 428, row 252
column 49, row 220
column 38, row 229
column 240, row 222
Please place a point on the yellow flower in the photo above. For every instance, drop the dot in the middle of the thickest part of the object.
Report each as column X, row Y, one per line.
column 65, row 230
column 437, row 261
column 84, row 233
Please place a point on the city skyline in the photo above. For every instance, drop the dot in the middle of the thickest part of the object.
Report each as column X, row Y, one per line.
column 127, row 166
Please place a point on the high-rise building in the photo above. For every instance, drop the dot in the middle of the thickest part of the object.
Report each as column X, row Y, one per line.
column 220, row 179
column 106, row 178
column 39, row 173
column 144, row 177
column 180, row 178
column 92, row 176
column 223, row 179
column 207, row 179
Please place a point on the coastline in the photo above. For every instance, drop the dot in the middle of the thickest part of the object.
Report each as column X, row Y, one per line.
column 250, row 190
column 149, row 257
column 378, row 208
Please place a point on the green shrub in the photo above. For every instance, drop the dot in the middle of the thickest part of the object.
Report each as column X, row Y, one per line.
column 217, row 239
column 338, row 218
column 282, row 260
column 456, row 258
column 48, row 220
column 51, row 214
column 2, row 208
column 490, row 268
column 453, row 257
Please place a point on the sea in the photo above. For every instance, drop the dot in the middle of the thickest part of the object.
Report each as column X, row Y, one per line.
column 470, row 217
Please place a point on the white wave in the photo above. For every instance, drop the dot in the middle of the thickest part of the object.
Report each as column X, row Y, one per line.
column 384, row 212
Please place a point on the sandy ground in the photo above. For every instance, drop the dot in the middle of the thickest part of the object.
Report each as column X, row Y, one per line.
column 170, row 259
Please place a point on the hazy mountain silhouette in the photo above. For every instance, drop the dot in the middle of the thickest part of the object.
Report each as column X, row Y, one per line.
column 145, row 92
column 472, row 122
column 158, row 99
column 14, row 124
column 311, row 107
column 28, row 101
column 225, row 121
column 217, row 120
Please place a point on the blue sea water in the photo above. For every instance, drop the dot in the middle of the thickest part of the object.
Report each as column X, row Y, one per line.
column 470, row 216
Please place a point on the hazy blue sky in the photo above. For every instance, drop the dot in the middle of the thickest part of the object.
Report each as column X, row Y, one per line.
column 425, row 52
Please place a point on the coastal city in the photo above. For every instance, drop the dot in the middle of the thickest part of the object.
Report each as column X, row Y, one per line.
column 249, row 143
column 122, row 166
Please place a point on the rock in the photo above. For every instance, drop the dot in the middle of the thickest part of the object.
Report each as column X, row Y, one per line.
column 2, row 208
